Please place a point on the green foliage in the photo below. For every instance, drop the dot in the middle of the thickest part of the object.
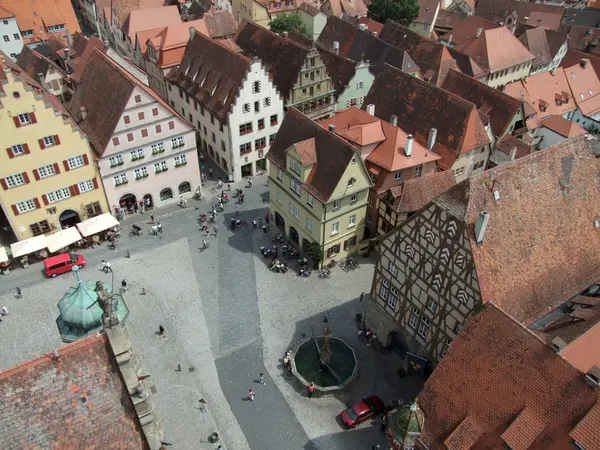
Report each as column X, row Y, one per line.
column 399, row 11
column 285, row 22
column 314, row 252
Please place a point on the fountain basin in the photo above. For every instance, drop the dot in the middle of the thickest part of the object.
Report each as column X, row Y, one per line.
column 328, row 378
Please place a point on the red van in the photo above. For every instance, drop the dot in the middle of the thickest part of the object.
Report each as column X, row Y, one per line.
column 63, row 263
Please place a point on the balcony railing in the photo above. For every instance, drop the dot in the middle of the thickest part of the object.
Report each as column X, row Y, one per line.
column 116, row 164
column 121, row 183
column 158, row 151
column 179, row 164
column 182, row 144
column 139, row 177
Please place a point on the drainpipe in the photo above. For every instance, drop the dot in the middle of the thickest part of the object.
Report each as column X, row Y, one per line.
column 324, row 222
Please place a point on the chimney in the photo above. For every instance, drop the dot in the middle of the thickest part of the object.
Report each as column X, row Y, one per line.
column 449, row 38
column 83, row 112
column 336, row 47
column 408, row 146
column 374, row 33
column 584, row 62
column 362, row 27
column 192, row 32
column 332, row 128
column 553, row 71
column 394, row 120
column 68, row 37
column 431, row 139
column 67, row 54
column 285, row 34
column 513, row 153
column 371, row 109
column 480, row 226
column 478, row 32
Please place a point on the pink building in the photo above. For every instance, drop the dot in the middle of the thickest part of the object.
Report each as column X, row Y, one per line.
column 145, row 151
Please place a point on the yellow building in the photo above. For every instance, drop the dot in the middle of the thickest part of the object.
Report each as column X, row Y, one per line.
column 252, row 11
column 318, row 187
column 47, row 172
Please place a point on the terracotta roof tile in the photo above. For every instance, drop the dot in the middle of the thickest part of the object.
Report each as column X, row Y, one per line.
column 307, row 151
column 495, row 370
column 429, row 55
column 573, row 57
column 282, row 57
column 36, row 15
column 372, row 25
column 535, row 41
column 220, row 24
column 353, row 8
column 524, row 430
column 76, row 401
column 547, row 20
column 414, row 194
column 464, row 30
column 563, row 126
column 509, row 142
column 448, row 20
column 92, row 43
column 586, row 432
column 465, row 435
column 211, row 73
column 421, row 106
column 545, row 212
column 149, row 19
column 124, row 7
column 500, row 107
column 309, row 9
column 171, row 41
column 497, row 10
column 33, row 63
column 333, row 154
column 582, row 38
column 584, row 352
column 427, row 11
column 585, row 85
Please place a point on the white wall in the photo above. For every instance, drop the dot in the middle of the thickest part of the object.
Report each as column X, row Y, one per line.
column 503, row 77
column 548, row 137
column 8, row 28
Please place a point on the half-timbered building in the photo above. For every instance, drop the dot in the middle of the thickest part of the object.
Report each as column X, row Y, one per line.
column 524, row 236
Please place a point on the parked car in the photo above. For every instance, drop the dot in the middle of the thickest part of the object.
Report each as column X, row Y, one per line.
column 63, row 263
column 363, row 410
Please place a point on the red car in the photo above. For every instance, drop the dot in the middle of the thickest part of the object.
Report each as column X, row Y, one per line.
column 362, row 411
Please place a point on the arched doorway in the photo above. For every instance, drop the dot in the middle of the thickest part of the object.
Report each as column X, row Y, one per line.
column 279, row 221
column 394, row 340
column 129, row 203
column 148, row 202
column 305, row 244
column 185, row 187
column 68, row 218
column 166, row 194
column 294, row 236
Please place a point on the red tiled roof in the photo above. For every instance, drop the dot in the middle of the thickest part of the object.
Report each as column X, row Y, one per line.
column 585, row 85
column 586, row 432
column 92, row 43
column 573, row 57
column 508, row 142
column 544, row 216
column 77, row 401
column 466, row 29
column 372, row 25
column 563, row 126
column 498, row 375
column 307, row 151
column 414, row 194
column 584, row 352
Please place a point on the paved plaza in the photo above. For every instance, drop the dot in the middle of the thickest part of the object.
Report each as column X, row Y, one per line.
column 227, row 319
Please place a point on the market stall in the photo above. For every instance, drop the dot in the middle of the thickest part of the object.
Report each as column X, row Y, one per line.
column 28, row 246
column 97, row 224
column 62, row 239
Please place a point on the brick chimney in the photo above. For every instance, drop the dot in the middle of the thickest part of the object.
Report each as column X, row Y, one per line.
column 336, row 47
column 513, row 153
column 332, row 128
column 394, row 120
column 408, row 146
column 371, row 109
column 584, row 62
column 478, row 32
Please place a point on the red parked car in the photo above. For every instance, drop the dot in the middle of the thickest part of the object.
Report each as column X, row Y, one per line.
column 360, row 412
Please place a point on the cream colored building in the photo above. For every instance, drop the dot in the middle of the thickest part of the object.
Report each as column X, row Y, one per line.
column 48, row 176
column 318, row 187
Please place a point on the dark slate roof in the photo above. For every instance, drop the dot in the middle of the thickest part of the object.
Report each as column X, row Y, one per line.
column 333, row 153
column 433, row 58
column 340, row 69
column 447, row 19
column 198, row 8
column 555, row 40
column 498, row 106
column 33, row 63
column 360, row 45
column 208, row 66
column 421, row 106
column 586, row 17
column 282, row 57
column 496, row 10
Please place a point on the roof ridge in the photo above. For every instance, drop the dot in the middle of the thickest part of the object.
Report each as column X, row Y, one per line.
column 275, row 35
column 216, row 41
column 319, row 128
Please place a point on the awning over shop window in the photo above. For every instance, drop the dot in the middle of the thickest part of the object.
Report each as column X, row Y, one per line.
column 97, row 224
column 28, row 246
column 63, row 238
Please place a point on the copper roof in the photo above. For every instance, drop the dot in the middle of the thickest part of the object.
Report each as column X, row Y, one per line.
column 545, row 214
column 76, row 401
column 507, row 385
column 416, row 193
column 211, row 73
column 421, row 106
column 333, row 154
column 500, row 107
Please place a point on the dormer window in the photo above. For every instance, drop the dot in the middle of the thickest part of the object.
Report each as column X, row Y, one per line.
column 295, row 167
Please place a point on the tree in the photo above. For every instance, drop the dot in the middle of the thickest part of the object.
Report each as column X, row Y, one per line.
column 315, row 253
column 399, row 11
column 285, row 22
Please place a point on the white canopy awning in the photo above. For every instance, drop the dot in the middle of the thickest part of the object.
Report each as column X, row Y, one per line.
column 97, row 224
column 3, row 255
column 63, row 238
column 28, row 246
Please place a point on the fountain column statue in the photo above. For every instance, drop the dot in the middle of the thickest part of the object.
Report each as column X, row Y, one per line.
column 326, row 350
column 105, row 300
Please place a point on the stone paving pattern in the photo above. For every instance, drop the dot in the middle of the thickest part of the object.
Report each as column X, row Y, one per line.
column 227, row 318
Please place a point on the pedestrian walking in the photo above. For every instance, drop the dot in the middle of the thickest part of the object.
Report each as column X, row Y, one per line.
column 362, row 295
column 229, row 186
column 261, row 380
column 106, row 267
column 233, row 223
column 251, row 395
column 161, row 330
column 237, row 211
column 210, row 172
column 216, row 230
column 310, row 389
column 254, row 225
column 152, row 219
column 4, row 311
column 207, row 232
column 124, row 285
column 267, row 219
column 242, row 197
column 383, row 422
column 159, row 227
column 19, row 295
column 249, row 182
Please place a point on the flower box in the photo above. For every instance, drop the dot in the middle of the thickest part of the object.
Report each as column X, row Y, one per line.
column 156, row 152
column 117, row 164
column 142, row 176
column 181, row 164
